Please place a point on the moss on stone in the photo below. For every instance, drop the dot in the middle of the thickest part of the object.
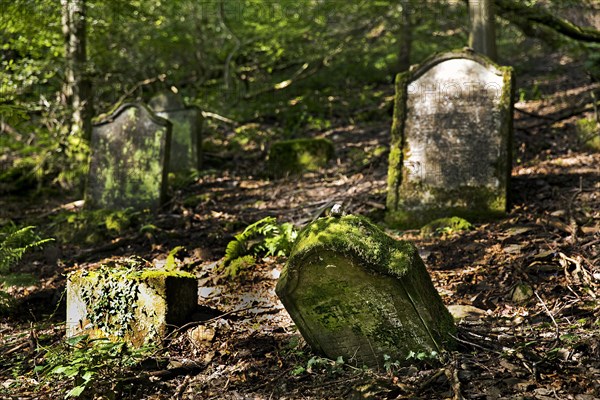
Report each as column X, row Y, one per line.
column 446, row 225
column 121, row 301
column 356, row 236
column 406, row 208
column 295, row 156
column 353, row 291
column 130, row 155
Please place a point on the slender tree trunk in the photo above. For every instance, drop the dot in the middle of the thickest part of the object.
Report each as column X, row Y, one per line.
column 78, row 88
column 405, row 39
column 482, row 38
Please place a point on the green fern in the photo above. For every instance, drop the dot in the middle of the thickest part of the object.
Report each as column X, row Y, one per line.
column 15, row 242
column 265, row 237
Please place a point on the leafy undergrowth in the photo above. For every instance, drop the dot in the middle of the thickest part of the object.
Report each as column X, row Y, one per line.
column 533, row 278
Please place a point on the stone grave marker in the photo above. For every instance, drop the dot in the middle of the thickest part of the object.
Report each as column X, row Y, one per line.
column 130, row 152
column 135, row 306
column 186, row 141
column 355, row 292
column 451, row 140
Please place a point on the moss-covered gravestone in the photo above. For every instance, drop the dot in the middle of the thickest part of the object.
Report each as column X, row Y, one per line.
column 355, row 292
column 138, row 306
column 290, row 157
column 186, row 142
column 130, row 152
column 451, row 140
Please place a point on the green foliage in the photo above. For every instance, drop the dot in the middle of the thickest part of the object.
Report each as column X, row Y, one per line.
column 588, row 132
column 446, row 226
column 171, row 262
column 320, row 364
column 265, row 237
column 422, row 356
column 15, row 242
column 298, row 155
column 238, row 265
column 116, row 300
column 93, row 226
column 93, row 366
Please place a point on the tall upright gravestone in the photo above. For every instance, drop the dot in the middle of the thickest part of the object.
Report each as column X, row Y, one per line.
column 130, row 153
column 451, row 138
column 186, row 142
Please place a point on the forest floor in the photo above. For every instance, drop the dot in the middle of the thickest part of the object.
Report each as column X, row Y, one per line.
column 533, row 278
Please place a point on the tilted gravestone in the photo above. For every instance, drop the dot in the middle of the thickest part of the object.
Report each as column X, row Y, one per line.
column 355, row 292
column 130, row 152
column 451, row 138
column 186, row 141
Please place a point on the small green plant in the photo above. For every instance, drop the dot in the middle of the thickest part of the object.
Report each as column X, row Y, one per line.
column 239, row 265
column 265, row 237
column 93, row 226
column 15, row 242
column 423, row 356
column 389, row 365
column 446, row 226
column 90, row 364
column 588, row 133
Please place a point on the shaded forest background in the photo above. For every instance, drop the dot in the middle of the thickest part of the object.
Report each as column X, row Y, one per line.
column 297, row 66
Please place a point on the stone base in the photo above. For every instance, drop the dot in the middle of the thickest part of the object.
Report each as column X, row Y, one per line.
column 138, row 307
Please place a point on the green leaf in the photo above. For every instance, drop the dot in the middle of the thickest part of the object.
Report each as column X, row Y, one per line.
column 76, row 391
column 75, row 340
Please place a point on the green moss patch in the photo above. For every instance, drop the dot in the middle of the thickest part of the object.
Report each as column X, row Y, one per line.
column 446, row 226
column 356, row 236
column 295, row 156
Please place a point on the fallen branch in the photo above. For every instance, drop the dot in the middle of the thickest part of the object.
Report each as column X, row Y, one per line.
column 207, row 114
column 541, row 16
column 548, row 313
column 562, row 116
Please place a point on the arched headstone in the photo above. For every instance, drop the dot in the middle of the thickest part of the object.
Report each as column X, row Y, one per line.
column 451, row 138
column 130, row 152
column 186, row 141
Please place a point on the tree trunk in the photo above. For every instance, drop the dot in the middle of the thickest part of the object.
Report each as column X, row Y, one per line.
column 405, row 39
column 77, row 88
column 482, row 38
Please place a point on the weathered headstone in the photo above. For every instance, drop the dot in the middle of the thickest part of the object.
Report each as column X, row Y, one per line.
column 186, row 141
column 135, row 306
column 130, row 152
column 357, row 293
column 451, row 138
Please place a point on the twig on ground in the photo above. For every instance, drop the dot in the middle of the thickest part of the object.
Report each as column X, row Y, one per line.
column 452, row 375
column 272, row 380
column 548, row 313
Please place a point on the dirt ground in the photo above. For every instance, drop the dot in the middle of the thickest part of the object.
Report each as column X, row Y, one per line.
column 544, row 345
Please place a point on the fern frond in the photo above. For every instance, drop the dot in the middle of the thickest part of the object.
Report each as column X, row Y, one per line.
column 15, row 243
column 264, row 236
